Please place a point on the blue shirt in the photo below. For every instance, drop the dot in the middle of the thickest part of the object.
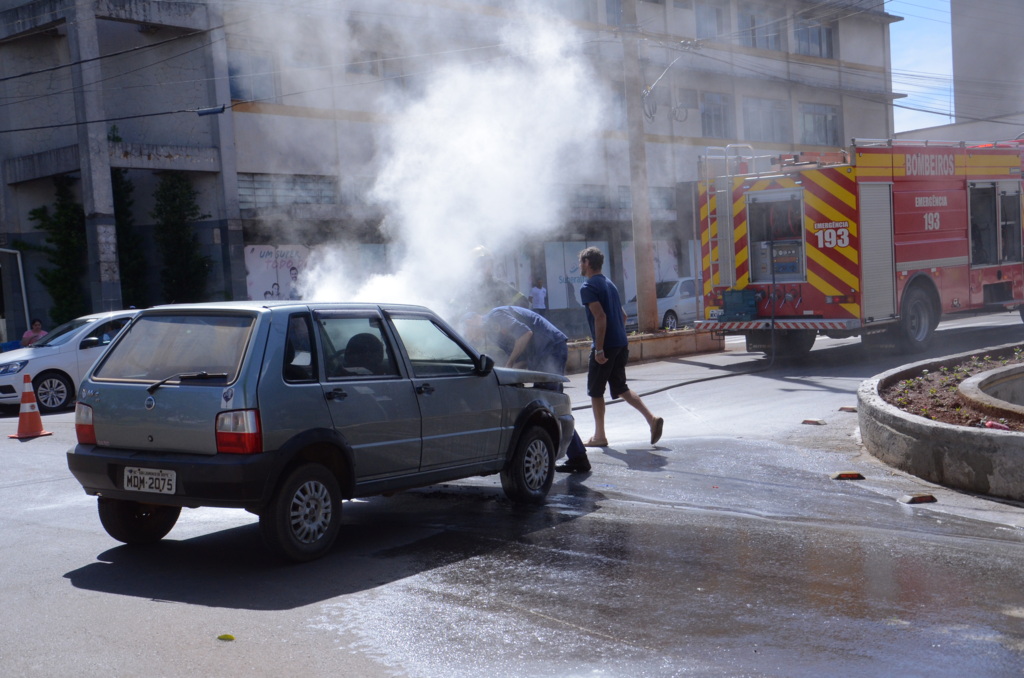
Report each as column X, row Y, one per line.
column 505, row 324
column 600, row 289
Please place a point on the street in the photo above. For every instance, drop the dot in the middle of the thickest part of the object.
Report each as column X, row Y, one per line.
column 725, row 550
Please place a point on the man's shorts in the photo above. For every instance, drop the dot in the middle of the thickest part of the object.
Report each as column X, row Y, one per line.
column 612, row 373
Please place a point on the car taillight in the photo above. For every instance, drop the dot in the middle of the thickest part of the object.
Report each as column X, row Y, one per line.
column 84, row 429
column 238, row 432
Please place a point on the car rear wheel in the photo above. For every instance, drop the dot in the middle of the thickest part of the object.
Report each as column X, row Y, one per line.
column 132, row 522
column 527, row 476
column 54, row 391
column 302, row 520
column 670, row 321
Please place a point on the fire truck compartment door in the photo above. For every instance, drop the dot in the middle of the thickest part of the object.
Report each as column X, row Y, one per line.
column 878, row 270
column 724, row 243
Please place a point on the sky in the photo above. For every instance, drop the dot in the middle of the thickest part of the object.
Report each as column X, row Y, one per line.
column 922, row 63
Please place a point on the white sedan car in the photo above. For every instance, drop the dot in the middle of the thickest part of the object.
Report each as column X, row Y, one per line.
column 677, row 304
column 58, row 361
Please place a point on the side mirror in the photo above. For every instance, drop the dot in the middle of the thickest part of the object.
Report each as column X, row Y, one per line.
column 89, row 342
column 484, row 365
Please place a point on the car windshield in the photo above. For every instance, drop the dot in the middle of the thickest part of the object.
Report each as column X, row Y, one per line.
column 63, row 333
column 157, row 347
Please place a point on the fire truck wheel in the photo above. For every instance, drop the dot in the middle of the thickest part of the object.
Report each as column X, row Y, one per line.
column 917, row 321
column 800, row 342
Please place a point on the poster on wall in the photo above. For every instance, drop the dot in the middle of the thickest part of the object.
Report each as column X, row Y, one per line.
column 561, row 261
column 272, row 271
column 666, row 265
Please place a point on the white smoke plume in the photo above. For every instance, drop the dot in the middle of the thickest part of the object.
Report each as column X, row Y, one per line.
column 483, row 158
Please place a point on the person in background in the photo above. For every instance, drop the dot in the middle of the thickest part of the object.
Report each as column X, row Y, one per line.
column 539, row 298
column 531, row 343
column 34, row 334
column 293, row 287
column 610, row 352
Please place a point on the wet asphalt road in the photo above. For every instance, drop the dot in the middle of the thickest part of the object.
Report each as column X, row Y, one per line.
column 725, row 550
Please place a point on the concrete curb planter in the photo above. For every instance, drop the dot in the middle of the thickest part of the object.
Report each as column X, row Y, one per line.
column 998, row 392
column 984, row 461
column 655, row 346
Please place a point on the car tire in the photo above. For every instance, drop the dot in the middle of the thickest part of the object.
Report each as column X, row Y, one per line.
column 528, row 474
column 670, row 321
column 302, row 520
column 54, row 391
column 133, row 522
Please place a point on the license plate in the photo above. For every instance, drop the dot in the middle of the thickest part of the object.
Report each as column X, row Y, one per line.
column 149, row 480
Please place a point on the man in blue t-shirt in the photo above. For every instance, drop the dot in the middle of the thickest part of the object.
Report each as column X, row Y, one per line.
column 610, row 352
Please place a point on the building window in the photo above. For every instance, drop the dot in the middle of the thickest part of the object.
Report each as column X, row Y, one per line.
column 613, row 10
column 590, row 197
column 820, row 124
column 617, row 108
column 392, row 68
column 577, row 10
column 364, row 62
column 659, row 197
column 712, row 18
column 814, row 39
column 760, row 27
column 662, row 198
column 716, row 115
column 277, row 190
column 766, row 120
column 251, row 75
column 625, row 198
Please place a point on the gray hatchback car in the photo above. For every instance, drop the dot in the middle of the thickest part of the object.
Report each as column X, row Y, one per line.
column 287, row 408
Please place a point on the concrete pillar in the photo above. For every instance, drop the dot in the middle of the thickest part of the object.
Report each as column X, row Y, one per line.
column 643, row 239
column 94, row 155
column 232, row 249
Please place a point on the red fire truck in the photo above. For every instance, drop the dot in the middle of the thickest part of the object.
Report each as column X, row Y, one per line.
column 878, row 241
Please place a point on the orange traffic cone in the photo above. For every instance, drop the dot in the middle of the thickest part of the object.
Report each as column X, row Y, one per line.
column 30, row 424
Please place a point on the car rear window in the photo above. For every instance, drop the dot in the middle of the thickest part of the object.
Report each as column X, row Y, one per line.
column 160, row 346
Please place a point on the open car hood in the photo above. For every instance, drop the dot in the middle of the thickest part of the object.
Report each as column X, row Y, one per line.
column 509, row 376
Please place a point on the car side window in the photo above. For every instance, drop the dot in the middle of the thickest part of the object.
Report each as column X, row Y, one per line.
column 356, row 347
column 298, row 349
column 104, row 333
column 432, row 352
column 689, row 288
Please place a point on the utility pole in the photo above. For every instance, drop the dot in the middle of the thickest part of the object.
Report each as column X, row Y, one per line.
column 643, row 240
column 94, row 156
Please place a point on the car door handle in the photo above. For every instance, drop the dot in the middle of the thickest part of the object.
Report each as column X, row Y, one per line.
column 337, row 394
column 424, row 389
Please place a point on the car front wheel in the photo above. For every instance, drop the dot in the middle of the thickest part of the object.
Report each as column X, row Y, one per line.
column 132, row 522
column 302, row 520
column 53, row 391
column 527, row 476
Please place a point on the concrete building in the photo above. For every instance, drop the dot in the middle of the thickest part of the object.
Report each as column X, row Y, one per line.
column 287, row 118
column 988, row 96
column 987, row 73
